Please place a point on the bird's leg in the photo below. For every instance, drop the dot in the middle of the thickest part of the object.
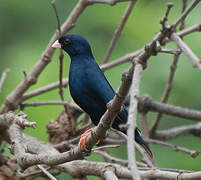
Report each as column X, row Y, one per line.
column 83, row 139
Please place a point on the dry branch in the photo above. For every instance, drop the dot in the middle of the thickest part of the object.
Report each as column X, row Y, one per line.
column 168, row 87
column 118, row 31
column 44, row 89
column 81, row 168
column 109, row 2
column 132, row 121
column 194, row 129
column 192, row 153
column 146, row 103
column 196, row 61
column 186, row 12
column 3, row 78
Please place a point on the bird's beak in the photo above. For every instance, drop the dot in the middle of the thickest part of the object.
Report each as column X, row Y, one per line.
column 56, row 44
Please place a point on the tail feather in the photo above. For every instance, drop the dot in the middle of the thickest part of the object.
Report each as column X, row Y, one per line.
column 140, row 140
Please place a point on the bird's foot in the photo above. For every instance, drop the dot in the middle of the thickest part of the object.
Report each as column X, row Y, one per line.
column 83, row 139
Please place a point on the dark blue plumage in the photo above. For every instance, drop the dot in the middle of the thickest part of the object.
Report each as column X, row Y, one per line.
column 88, row 86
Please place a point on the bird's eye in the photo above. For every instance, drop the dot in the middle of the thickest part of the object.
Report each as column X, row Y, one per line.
column 66, row 41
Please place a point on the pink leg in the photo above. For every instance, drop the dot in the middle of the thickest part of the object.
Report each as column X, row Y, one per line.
column 83, row 139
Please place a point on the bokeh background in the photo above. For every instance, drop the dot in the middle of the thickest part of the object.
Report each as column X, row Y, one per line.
column 25, row 30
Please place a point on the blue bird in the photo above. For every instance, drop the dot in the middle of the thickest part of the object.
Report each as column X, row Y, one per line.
column 88, row 86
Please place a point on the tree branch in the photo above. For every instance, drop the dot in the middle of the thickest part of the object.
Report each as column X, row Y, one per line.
column 196, row 61
column 150, row 105
column 118, row 31
column 194, row 129
column 192, row 153
column 109, row 2
column 3, row 78
column 132, row 121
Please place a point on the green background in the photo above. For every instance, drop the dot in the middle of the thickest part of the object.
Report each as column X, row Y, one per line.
column 25, row 30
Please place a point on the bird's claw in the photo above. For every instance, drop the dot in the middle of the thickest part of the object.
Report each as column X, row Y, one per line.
column 82, row 143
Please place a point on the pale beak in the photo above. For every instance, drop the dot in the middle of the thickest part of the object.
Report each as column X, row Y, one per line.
column 56, row 44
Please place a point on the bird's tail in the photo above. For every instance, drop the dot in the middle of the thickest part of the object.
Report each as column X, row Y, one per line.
column 140, row 140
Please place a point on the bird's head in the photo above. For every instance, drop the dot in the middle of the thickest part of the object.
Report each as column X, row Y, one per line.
column 74, row 45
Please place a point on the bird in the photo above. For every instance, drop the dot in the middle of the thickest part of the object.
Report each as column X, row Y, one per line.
column 89, row 87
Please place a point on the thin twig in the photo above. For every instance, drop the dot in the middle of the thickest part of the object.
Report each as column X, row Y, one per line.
column 186, row 12
column 44, row 103
column 61, row 56
column 166, row 93
column 166, row 134
column 168, row 88
column 44, row 89
column 110, row 2
column 106, row 146
column 112, row 159
column 46, row 172
column 41, row 103
column 189, row 30
column 182, row 45
column 132, row 121
column 150, row 105
column 145, row 157
column 57, row 16
column 118, row 31
column 3, row 78
column 192, row 153
column 169, row 51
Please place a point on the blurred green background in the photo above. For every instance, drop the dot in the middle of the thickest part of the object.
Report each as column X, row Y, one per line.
column 25, row 30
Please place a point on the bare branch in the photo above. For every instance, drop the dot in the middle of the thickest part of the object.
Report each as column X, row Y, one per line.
column 3, row 78
column 186, row 12
column 46, row 172
column 167, row 91
column 110, row 2
column 169, row 51
column 192, row 153
column 194, row 28
column 44, row 103
column 168, row 87
column 57, row 16
column 194, row 129
column 150, row 105
column 196, row 61
column 118, row 31
column 145, row 157
column 44, row 89
column 132, row 121
column 112, row 159
column 78, row 169
column 41, row 103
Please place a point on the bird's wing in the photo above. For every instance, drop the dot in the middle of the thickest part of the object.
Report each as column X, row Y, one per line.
column 98, row 84
column 103, row 91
